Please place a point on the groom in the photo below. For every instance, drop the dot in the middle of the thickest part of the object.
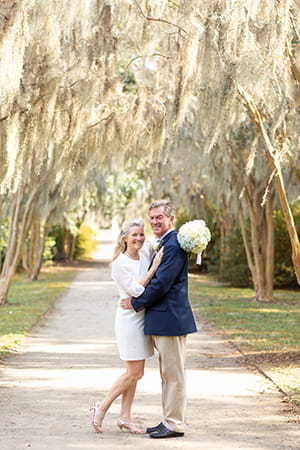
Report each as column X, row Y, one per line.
column 168, row 319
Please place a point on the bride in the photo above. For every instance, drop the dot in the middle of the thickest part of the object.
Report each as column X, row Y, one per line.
column 130, row 271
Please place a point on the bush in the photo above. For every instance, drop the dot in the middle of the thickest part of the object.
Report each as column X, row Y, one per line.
column 236, row 271
column 284, row 271
column 63, row 237
column 86, row 242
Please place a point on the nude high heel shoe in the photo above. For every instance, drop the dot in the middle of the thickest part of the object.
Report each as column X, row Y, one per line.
column 129, row 426
column 98, row 417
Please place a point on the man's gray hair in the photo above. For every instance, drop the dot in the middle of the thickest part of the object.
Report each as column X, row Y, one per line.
column 169, row 206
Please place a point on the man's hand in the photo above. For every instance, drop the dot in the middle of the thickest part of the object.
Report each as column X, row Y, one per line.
column 125, row 303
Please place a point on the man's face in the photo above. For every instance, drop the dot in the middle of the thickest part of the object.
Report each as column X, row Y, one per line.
column 160, row 223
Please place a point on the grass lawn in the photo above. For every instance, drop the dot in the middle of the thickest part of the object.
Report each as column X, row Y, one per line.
column 27, row 302
column 268, row 333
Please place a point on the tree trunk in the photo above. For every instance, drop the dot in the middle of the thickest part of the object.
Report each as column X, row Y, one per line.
column 225, row 226
column 20, row 224
column 36, row 247
column 25, row 258
column 7, row 272
column 256, row 229
column 260, row 247
column 246, row 243
column 269, row 258
column 72, row 247
column 29, row 251
column 66, row 243
column 38, row 259
column 274, row 158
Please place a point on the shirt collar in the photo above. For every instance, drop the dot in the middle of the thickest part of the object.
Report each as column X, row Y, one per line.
column 164, row 235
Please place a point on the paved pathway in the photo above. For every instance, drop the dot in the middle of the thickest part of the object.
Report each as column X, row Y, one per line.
column 71, row 359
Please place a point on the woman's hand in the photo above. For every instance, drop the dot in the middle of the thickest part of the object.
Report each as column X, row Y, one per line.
column 157, row 259
column 149, row 275
column 125, row 303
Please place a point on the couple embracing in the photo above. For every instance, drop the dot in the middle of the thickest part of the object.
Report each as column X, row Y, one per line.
column 153, row 313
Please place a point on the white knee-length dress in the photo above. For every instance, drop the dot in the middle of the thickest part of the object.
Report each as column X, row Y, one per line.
column 129, row 325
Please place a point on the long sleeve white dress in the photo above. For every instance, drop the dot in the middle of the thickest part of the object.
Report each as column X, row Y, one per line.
column 129, row 325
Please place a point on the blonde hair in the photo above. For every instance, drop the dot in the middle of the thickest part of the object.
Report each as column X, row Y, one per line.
column 121, row 245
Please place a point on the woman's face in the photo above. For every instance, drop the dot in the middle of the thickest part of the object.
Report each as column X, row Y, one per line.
column 135, row 238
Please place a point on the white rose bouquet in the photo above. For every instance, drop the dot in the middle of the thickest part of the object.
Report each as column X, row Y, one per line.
column 193, row 237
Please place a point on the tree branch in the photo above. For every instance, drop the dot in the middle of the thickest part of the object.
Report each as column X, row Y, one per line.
column 294, row 68
column 145, row 56
column 109, row 117
column 294, row 26
column 295, row 170
column 131, row 61
column 158, row 20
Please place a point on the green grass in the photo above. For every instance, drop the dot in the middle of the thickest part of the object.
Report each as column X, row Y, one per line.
column 27, row 302
column 268, row 333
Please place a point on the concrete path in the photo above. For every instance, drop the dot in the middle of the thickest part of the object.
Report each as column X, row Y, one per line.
column 71, row 359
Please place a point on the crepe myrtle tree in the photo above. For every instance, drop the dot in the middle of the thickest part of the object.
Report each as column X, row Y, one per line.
column 238, row 42
column 222, row 189
column 204, row 60
column 255, row 200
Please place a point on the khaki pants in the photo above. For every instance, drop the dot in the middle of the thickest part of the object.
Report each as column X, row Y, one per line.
column 171, row 351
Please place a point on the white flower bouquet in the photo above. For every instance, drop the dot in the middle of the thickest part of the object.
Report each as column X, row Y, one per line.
column 193, row 237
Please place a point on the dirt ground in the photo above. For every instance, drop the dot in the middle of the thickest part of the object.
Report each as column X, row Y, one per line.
column 70, row 359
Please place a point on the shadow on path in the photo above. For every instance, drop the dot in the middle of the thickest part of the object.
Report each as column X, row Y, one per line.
column 71, row 359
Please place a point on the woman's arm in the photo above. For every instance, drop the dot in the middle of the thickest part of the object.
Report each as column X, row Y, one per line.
column 124, row 277
column 149, row 275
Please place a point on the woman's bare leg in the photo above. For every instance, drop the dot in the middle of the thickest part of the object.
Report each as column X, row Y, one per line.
column 127, row 400
column 126, row 385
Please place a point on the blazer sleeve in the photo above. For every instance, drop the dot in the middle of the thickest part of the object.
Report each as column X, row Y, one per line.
column 123, row 276
column 170, row 267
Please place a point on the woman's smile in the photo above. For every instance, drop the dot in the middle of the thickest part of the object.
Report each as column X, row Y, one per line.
column 135, row 238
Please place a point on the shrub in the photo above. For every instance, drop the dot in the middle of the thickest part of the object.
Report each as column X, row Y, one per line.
column 236, row 271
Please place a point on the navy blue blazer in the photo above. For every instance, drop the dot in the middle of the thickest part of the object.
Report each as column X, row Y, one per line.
column 167, row 308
